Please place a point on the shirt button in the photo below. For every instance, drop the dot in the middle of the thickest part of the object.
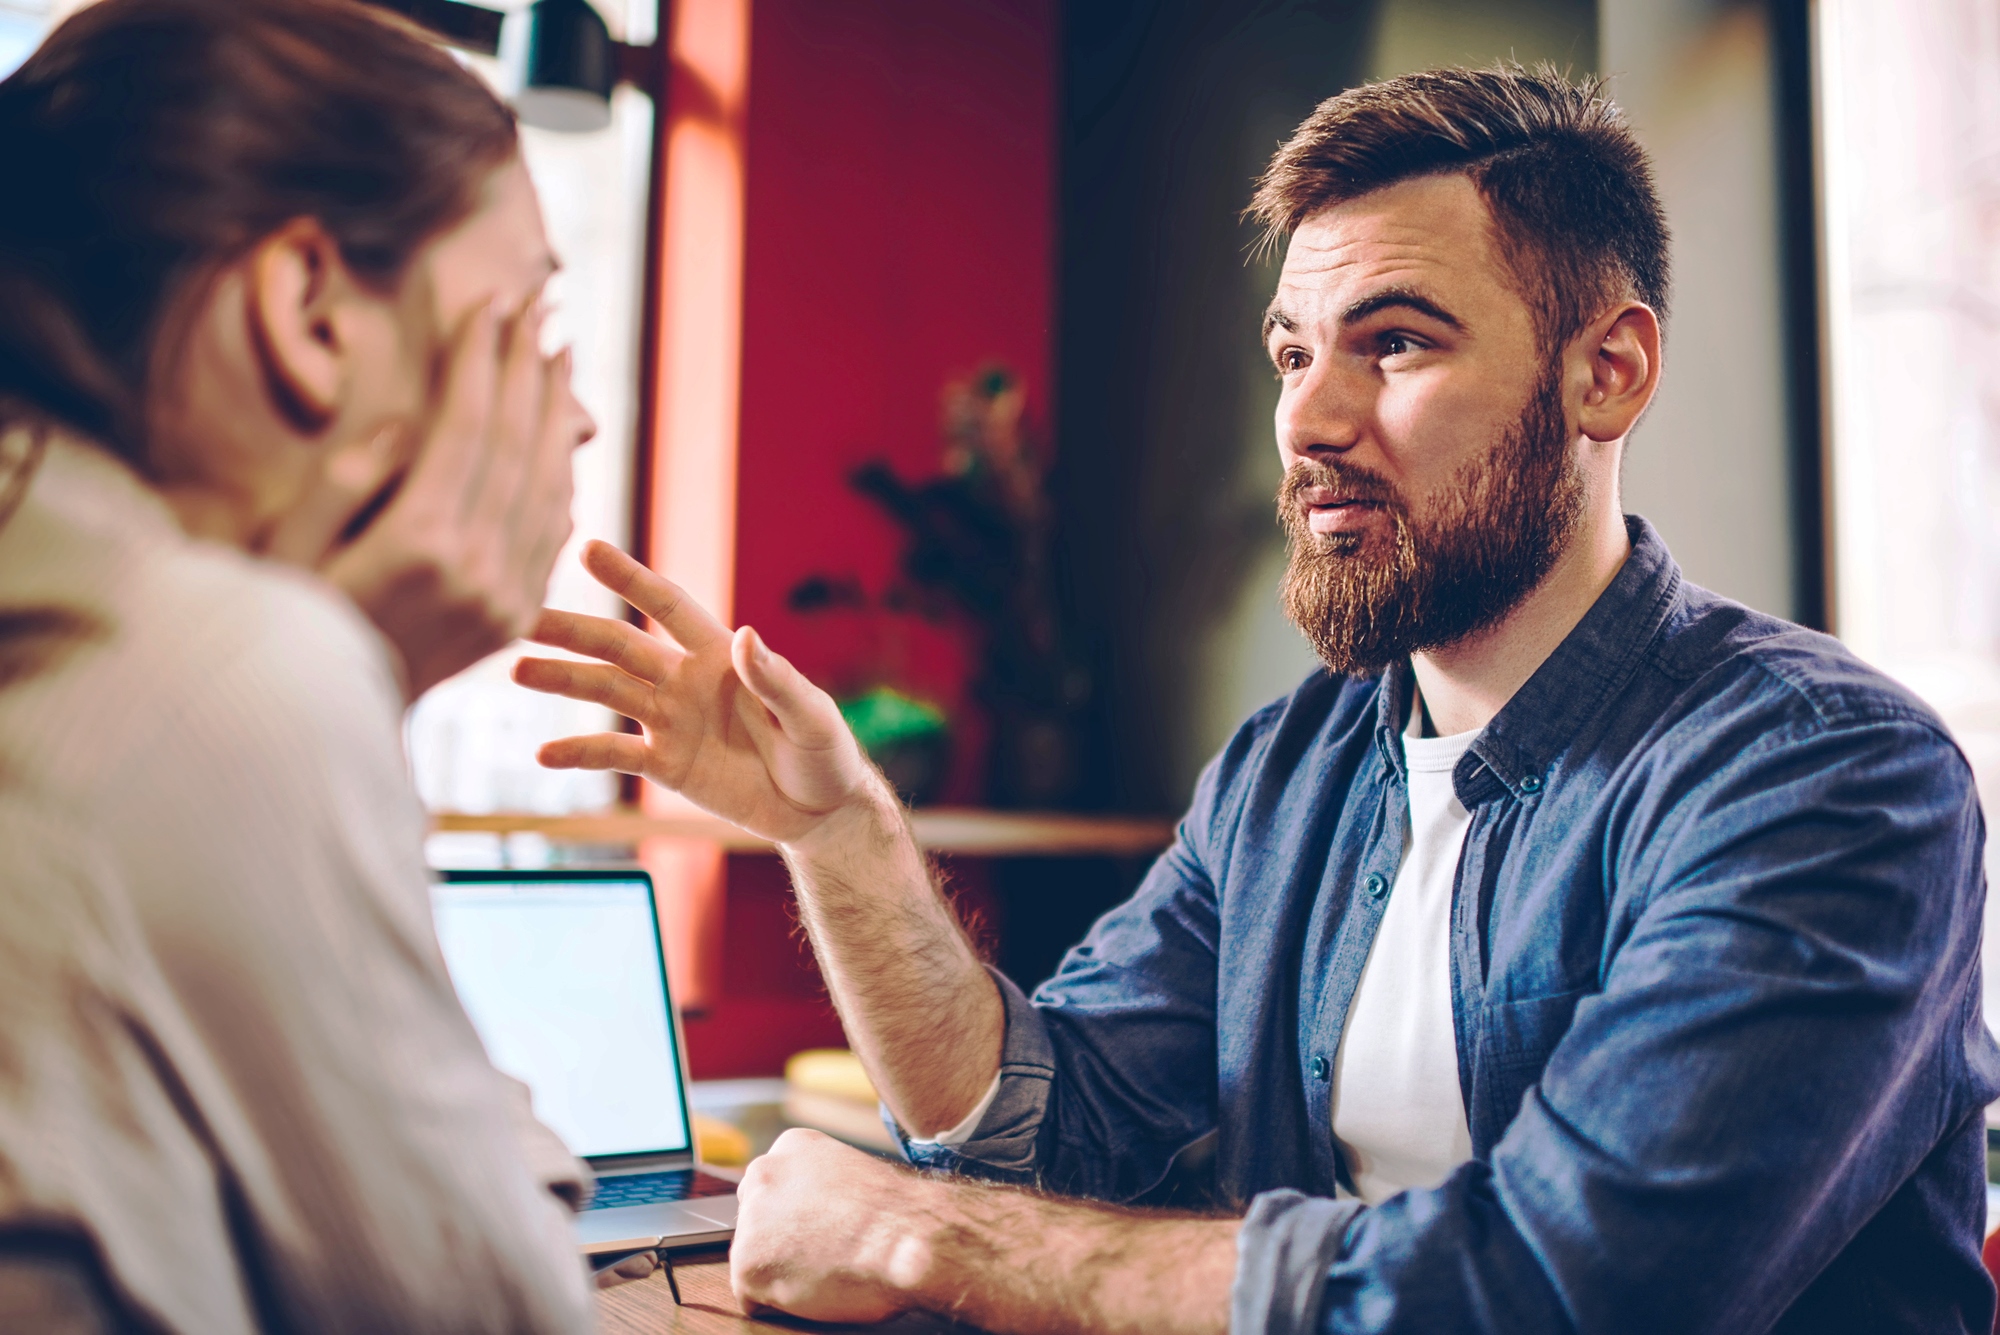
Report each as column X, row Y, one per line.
column 1376, row 885
column 1320, row 1068
column 1531, row 783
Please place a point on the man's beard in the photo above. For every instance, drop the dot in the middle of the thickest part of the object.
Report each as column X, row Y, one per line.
column 1485, row 540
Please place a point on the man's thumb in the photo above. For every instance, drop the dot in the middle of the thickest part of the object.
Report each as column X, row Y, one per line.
column 779, row 686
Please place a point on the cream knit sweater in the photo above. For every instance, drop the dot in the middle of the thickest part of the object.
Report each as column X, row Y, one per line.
column 230, row 1057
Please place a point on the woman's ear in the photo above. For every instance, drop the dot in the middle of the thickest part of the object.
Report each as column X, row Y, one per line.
column 1623, row 351
column 296, row 281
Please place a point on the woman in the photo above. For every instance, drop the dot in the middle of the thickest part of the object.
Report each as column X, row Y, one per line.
column 269, row 273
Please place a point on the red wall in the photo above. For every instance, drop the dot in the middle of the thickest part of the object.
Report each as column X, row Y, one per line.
column 900, row 220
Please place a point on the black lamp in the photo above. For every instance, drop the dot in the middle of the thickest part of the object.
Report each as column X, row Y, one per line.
column 570, row 69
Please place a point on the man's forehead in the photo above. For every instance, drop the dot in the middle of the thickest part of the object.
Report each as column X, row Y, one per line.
column 1429, row 233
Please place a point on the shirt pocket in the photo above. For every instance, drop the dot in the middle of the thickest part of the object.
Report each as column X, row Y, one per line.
column 1516, row 1040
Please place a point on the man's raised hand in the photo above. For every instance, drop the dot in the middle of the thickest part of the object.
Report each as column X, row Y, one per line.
column 728, row 724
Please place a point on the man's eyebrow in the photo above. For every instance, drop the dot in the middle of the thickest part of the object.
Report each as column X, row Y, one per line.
column 1405, row 298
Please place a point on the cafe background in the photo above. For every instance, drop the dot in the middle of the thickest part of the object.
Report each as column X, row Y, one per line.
column 922, row 335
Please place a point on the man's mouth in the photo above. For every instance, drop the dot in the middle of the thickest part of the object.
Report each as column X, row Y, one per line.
column 1332, row 511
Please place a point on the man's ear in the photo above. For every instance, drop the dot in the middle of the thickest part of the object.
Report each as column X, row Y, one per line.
column 296, row 279
column 1621, row 353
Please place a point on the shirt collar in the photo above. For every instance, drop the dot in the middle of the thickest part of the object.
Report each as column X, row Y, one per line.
column 1392, row 713
column 1515, row 751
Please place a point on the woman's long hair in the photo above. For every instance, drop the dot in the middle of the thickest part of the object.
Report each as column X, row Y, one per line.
column 147, row 142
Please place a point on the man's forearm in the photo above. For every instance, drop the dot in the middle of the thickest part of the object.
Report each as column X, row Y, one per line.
column 918, row 1006
column 1012, row 1261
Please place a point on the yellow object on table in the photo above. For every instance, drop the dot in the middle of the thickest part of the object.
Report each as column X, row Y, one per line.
column 826, row 1089
column 834, row 1071
column 719, row 1144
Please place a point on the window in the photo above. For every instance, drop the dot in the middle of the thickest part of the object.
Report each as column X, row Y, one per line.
column 1910, row 158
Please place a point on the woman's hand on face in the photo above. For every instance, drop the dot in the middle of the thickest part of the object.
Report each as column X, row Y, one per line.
column 728, row 724
column 457, row 562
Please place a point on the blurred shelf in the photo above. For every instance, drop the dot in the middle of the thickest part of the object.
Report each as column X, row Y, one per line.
column 961, row 830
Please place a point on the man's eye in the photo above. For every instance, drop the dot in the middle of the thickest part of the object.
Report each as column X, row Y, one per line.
column 1395, row 345
column 1291, row 359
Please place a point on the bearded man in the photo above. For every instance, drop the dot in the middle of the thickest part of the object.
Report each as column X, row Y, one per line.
column 1581, row 952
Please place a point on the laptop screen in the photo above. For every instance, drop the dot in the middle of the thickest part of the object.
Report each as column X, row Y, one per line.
column 563, row 980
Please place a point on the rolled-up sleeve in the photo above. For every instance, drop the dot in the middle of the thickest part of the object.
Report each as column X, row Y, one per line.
column 1002, row 1144
column 1287, row 1244
column 1109, row 1072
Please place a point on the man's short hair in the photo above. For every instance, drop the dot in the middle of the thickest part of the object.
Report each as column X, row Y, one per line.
column 1569, row 188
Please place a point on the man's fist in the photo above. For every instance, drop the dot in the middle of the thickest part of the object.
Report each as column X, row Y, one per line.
column 828, row 1233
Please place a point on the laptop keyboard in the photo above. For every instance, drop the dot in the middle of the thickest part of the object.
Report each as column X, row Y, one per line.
column 678, row 1184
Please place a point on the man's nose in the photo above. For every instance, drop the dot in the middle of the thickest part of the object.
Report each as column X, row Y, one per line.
column 1321, row 416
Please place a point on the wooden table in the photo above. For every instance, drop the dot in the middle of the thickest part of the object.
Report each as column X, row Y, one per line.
column 646, row 1306
column 940, row 829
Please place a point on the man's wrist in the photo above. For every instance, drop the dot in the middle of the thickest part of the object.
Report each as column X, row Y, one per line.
column 906, row 1257
column 952, row 1247
column 870, row 822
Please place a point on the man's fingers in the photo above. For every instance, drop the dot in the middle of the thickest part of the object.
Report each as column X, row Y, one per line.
column 600, row 685
column 666, row 602
column 619, row 643
column 805, row 712
column 603, row 750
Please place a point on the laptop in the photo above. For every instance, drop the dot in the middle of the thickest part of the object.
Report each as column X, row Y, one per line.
column 563, row 976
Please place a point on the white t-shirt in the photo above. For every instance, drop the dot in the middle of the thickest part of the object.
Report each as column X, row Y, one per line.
column 1397, row 1111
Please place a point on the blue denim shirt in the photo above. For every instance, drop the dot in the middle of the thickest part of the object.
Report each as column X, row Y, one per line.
column 1715, row 986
